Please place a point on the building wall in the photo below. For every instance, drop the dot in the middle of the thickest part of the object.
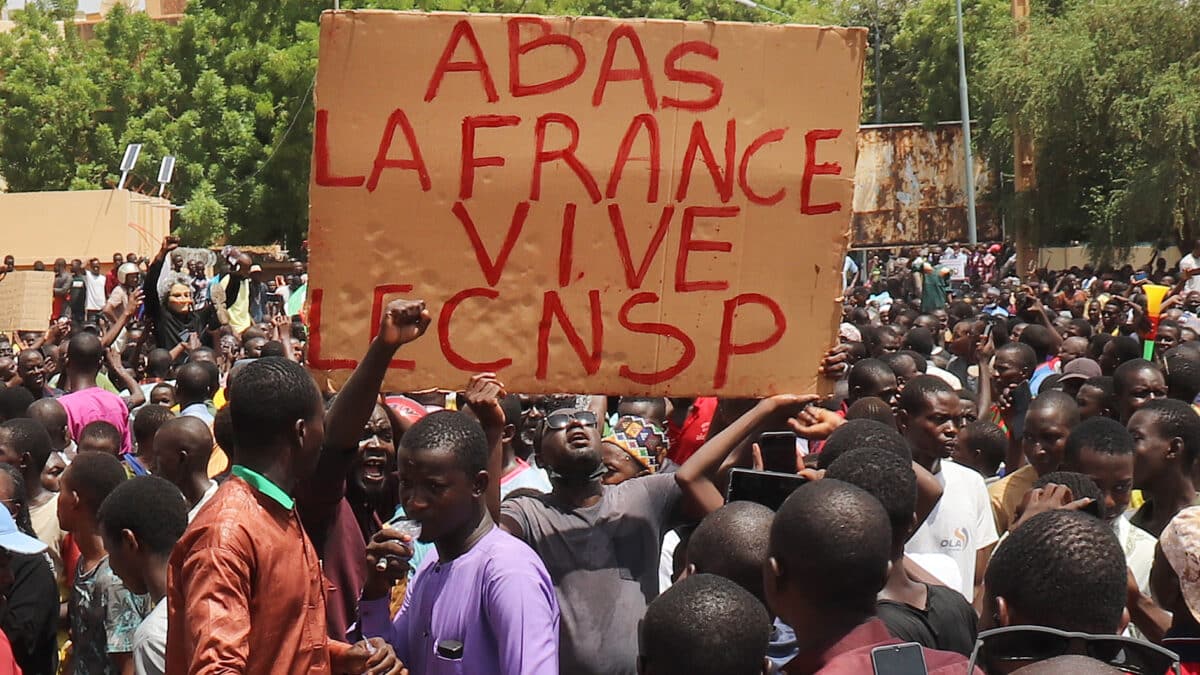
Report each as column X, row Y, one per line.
column 81, row 224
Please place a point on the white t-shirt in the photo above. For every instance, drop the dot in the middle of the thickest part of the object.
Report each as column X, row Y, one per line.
column 208, row 494
column 95, row 291
column 1138, row 546
column 849, row 271
column 1189, row 262
column 960, row 524
column 943, row 375
column 150, row 642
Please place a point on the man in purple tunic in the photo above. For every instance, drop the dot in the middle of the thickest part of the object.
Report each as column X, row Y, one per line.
column 483, row 602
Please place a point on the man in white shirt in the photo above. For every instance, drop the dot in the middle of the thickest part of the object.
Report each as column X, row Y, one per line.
column 961, row 525
column 849, row 273
column 1189, row 268
column 1102, row 449
column 94, row 282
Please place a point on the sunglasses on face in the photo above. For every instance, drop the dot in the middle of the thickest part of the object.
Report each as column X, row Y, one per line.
column 1002, row 649
column 559, row 421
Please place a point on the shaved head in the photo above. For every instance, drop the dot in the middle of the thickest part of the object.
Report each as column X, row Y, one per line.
column 53, row 416
column 732, row 542
column 182, row 447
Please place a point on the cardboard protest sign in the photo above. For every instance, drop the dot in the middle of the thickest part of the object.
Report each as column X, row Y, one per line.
column 26, row 301
column 587, row 204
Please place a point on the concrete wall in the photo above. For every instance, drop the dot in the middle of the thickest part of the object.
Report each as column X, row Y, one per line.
column 1064, row 257
column 81, row 224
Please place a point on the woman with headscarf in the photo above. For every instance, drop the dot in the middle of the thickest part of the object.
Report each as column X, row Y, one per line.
column 173, row 315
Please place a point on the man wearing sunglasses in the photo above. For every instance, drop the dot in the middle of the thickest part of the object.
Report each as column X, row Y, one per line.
column 601, row 544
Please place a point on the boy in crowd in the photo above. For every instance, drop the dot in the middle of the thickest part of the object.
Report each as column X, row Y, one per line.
column 146, row 423
column 704, row 625
column 1095, row 398
column 961, row 525
column 1136, row 383
column 732, row 542
column 981, row 446
column 140, row 522
column 103, row 613
column 1043, row 440
column 935, row 616
column 479, row 587
column 872, row 378
column 1102, row 449
column 1166, row 437
column 87, row 402
column 835, row 532
column 100, row 436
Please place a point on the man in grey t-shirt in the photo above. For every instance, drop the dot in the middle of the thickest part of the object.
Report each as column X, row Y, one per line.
column 601, row 543
column 603, row 558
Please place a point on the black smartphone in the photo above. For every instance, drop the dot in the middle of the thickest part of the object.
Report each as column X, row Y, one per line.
column 1096, row 508
column 768, row 488
column 903, row 659
column 778, row 450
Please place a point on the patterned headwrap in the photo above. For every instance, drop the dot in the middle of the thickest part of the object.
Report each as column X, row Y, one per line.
column 640, row 439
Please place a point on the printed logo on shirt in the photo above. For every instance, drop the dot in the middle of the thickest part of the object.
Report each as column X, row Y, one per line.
column 958, row 540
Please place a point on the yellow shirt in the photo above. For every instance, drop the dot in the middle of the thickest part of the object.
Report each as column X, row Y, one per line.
column 1006, row 495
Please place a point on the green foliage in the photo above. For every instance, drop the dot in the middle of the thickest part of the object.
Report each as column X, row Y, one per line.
column 203, row 218
column 916, row 75
column 48, row 134
column 1110, row 89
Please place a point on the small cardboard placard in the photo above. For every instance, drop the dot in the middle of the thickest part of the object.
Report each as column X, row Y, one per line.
column 26, row 301
column 585, row 204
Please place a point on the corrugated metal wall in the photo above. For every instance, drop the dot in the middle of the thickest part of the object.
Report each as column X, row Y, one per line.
column 909, row 187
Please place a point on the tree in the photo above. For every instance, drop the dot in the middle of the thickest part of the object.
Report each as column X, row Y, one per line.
column 1110, row 90
column 49, row 103
column 927, row 45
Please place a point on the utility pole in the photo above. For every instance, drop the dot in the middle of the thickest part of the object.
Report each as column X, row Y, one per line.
column 1024, row 171
column 965, row 106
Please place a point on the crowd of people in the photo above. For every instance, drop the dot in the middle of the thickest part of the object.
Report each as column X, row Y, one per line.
column 1004, row 479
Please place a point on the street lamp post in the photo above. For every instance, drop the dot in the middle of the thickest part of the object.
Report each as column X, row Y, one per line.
column 965, row 105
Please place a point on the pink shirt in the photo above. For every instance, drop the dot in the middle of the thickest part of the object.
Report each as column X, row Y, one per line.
column 88, row 405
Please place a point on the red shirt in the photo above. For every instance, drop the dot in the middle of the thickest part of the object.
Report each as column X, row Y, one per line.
column 8, row 663
column 687, row 439
column 852, row 655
